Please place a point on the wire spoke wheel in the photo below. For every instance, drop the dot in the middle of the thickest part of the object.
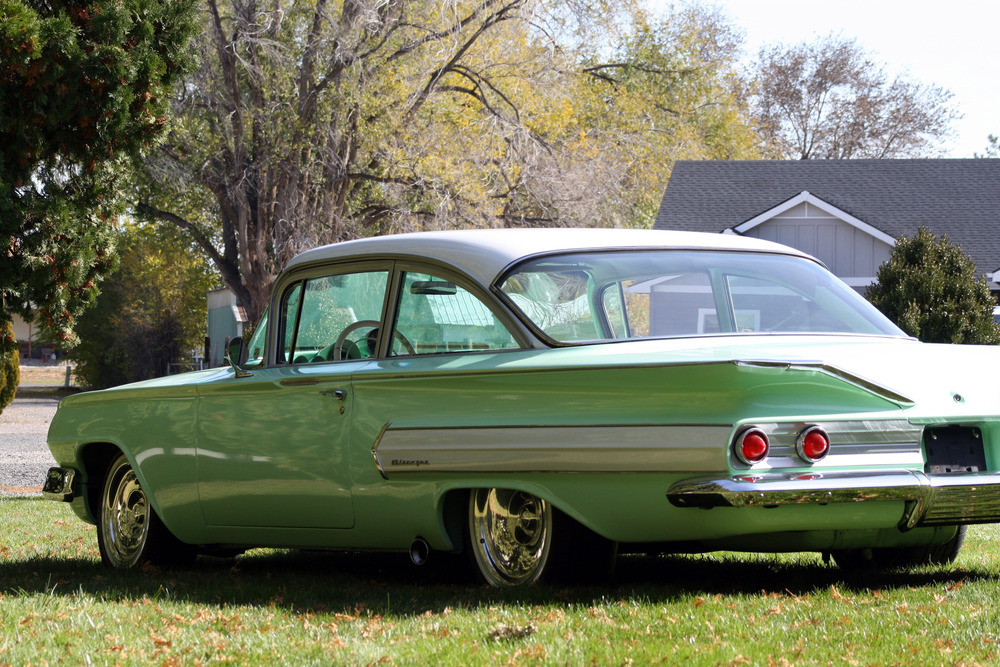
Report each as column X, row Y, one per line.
column 510, row 534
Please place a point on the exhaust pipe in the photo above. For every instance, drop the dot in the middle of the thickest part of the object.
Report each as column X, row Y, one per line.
column 419, row 551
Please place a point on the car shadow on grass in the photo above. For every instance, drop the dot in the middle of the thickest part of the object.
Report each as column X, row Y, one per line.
column 381, row 583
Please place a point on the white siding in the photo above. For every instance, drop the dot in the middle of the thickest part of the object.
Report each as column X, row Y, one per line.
column 851, row 253
column 22, row 330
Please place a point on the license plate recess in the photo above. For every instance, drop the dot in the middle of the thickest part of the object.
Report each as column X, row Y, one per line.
column 954, row 449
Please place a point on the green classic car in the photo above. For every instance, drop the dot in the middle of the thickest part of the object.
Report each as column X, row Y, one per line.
column 541, row 400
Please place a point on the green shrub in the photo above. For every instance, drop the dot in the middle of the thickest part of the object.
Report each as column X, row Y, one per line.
column 930, row 289
column 10, row 365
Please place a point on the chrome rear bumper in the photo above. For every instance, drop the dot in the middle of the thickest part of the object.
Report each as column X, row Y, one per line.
column 930, row 500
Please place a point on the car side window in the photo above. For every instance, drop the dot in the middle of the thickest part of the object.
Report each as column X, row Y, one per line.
column 332, row 318
column 437, row 316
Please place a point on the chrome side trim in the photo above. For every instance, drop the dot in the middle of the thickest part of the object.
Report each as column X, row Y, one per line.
column 629, row 448
column 851, row 378
column 929, row 499
column 378, row 441
column 59, row 484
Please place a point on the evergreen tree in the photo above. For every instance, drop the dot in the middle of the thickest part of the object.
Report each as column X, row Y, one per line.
column 83, row 91
column 929, row 288
column 10, row 365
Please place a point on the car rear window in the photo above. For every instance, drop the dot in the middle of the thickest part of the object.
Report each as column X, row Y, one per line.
column 586, row 297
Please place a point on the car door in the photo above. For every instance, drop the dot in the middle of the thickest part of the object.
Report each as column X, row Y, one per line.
column 444, row 333
column 273, row 448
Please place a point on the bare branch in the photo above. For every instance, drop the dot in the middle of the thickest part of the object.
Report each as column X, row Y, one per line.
column 829, row 100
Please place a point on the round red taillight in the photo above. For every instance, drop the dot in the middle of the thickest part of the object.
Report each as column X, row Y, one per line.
column 813, row 444
column 751, row 446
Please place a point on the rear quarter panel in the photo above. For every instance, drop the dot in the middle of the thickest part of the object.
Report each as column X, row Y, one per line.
column 602, row 442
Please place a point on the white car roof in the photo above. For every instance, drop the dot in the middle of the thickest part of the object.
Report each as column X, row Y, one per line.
column 484, row 253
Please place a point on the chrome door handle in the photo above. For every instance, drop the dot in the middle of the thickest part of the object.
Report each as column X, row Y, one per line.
column 338, row 394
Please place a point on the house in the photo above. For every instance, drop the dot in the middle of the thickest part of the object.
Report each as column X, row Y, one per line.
column 30, row 345
column 25, row 336
column 226, row 320
column 846, row 213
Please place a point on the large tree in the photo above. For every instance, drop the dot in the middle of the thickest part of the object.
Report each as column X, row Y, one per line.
column 992, row 147
column 83, row 90
column 830, row 99
column 150, row 312
column 667, row 91
column 316, row 121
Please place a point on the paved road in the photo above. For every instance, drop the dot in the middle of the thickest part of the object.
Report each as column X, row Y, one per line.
column 24, row 457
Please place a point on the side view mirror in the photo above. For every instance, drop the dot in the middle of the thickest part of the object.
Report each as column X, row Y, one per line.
column 237, row 356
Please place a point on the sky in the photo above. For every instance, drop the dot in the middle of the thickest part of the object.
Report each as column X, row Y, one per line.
column 954, row 44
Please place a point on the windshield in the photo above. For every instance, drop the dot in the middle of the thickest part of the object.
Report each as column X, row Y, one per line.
column 595, row 296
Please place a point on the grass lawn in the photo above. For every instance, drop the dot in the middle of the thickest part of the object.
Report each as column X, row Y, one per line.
column 59, row 605
column 45, row 375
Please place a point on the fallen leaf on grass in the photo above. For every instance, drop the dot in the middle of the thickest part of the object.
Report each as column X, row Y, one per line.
column 150, row 568
column 511, row 632
column 537, row 652
column 836, row 595
column 159, row 641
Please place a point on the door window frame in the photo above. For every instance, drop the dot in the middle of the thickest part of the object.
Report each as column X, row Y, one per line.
column 396, row 269
column 299, row 277
column 506, row 319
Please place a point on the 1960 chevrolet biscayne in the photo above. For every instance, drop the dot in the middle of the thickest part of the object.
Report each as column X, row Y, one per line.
column 544, row 398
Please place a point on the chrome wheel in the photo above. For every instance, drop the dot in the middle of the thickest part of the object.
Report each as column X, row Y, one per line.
column 510, row 534
column 125, row 517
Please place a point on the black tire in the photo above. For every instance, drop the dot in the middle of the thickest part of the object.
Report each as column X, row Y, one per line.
column 517, row 539
column 579, row 554
column 129, row 532
column 901, row 557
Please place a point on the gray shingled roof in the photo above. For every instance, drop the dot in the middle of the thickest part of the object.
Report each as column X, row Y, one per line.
column 959, row 198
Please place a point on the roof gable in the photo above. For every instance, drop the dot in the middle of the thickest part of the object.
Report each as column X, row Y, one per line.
column 805, row 197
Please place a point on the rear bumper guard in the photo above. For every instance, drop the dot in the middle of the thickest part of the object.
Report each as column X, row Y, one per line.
column 930, row 500
column 59, row 484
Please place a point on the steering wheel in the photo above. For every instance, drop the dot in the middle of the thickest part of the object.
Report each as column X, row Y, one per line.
column 338, row 347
